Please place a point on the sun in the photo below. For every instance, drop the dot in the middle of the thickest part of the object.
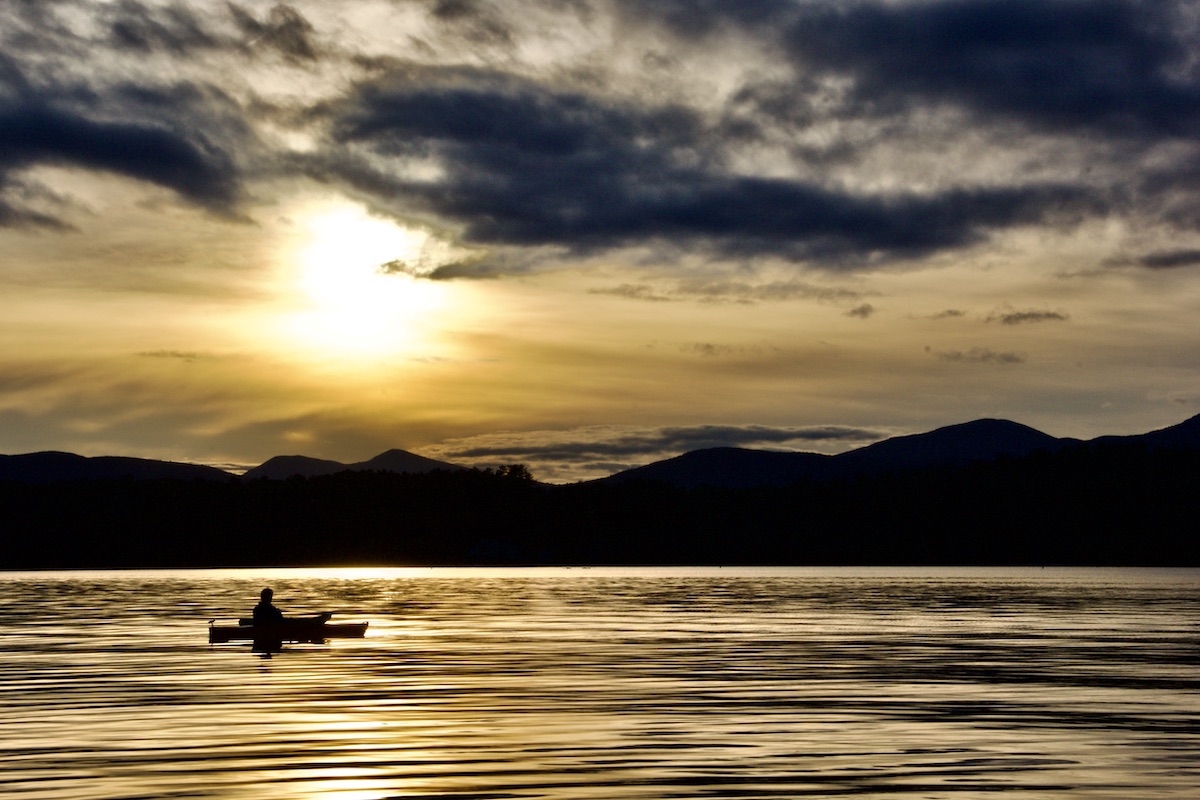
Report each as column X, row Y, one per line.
column 349, row 302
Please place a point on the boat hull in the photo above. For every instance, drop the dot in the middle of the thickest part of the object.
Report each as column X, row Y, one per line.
column 287, row 632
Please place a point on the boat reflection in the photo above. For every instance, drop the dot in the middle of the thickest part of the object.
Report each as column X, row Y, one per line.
column 270, row 637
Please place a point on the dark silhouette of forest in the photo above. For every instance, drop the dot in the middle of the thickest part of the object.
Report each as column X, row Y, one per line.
column 1105, row 504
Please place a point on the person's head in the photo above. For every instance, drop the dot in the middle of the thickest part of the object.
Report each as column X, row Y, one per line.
column 266, row 595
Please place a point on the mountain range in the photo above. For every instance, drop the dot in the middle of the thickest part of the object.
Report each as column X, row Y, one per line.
column 53, row 467
column 281, row 467
column 725, row 467
column 952, row 446
column 955, row 445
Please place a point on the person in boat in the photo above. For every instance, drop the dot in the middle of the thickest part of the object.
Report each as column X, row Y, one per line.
column 265, row 612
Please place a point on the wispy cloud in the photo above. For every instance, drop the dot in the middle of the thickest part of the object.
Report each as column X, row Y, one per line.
column 284, row 30
column 732, row 291
column 634, row 291
column 713, row 349
column 1010, row 317
column 184, row 355
column 977, row 355
column 770, row 291
column 1171, row 259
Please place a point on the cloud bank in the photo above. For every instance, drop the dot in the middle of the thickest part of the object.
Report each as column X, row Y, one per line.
column 596, row 451
column 838, row 135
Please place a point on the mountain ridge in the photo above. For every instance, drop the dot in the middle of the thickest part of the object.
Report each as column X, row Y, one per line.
column 52, row 466
column 394, row 460
column 959, row 444
column 949, row 446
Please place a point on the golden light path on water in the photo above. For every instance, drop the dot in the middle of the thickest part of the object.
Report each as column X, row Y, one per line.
column 606, row 683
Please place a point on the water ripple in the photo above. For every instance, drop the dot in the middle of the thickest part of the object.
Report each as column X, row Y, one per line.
column 613, row 684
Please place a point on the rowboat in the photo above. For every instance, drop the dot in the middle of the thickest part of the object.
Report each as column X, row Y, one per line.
column 314, row 630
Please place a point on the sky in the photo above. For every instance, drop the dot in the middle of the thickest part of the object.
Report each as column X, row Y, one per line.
column 585, row 235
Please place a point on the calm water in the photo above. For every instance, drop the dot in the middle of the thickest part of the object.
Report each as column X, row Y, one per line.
column 610, row 684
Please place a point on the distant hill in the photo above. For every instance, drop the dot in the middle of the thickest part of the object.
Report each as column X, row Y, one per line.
column 729, row 467
column 51, row 467
column 968, row 443
column 952, row 446
column 281, row 467
column 1184, row 436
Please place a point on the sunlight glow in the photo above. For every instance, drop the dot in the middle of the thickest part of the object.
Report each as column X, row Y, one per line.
column 351, row 304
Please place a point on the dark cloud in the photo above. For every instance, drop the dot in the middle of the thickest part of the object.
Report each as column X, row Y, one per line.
column 529, row 166
column 1120, row 67
column 1170, row 259
column 469, row 270
column 862, row 312
column 1023, row 317
column 1117, row 66
column 184, row 136
column 1117, row 78
column 455, row 9
column 32, row 133
column 542, row 161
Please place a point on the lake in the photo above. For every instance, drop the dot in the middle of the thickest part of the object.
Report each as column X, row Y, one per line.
column 607, row 684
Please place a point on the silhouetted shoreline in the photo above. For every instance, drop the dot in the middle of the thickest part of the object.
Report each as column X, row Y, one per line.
column 1113, row 503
